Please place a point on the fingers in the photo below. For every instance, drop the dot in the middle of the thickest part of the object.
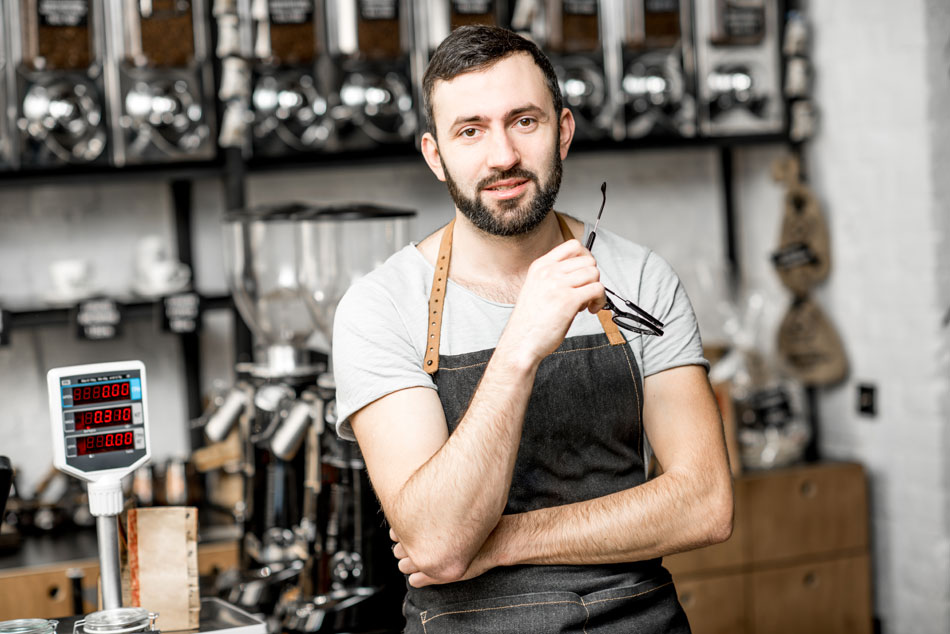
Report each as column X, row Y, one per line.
column 392, row 535
column 407, row 567
column 420, row 580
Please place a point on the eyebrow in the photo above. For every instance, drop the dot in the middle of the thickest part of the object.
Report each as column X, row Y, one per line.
column 511, row 114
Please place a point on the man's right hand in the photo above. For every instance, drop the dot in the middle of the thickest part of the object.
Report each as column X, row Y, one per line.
column 559, row 284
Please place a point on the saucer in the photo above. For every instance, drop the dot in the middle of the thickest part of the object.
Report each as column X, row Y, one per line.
column 58, row 297
column 150, row 290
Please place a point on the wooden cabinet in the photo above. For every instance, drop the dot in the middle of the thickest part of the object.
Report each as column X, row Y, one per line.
column 47, row 591
column 797, row 560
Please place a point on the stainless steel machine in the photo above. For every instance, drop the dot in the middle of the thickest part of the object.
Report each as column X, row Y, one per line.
column 315, row 556
column 658, row 82
column 159, row 81
column 57, row 51
column 289, row 96
column 738, row 67
column 578, row 36
column 371, row 91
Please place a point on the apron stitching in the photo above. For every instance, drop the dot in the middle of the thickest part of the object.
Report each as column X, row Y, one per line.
column 636, row 391
column 422, row 617
column 475, row 365
column 587, row 618
column 503, row 607
column 629, row 596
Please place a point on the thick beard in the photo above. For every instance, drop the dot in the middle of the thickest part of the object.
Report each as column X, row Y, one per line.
column 527, row 214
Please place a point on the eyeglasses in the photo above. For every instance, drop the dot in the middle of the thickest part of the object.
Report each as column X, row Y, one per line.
column 638, row 321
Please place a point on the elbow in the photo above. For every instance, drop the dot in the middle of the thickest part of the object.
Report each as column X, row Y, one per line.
column 439, row 564
column 720, row 516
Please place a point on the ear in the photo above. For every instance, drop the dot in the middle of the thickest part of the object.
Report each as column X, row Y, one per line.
column 430, row 152
column 567, row 131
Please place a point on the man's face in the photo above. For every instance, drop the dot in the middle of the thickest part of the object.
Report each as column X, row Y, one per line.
column 499, row 145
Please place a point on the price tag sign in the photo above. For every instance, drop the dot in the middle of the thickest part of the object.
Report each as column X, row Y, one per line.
column 98, row 319
column 181, row 313
column 5, row 322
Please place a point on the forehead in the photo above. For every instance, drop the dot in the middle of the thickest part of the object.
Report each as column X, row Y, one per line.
column 493, row 91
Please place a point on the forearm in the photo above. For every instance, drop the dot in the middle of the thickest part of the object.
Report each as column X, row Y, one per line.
column 672, row 513
column 448, row 507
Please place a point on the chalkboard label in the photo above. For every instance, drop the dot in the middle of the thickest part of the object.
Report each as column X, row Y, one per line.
column 181, row 313
column 98, row 319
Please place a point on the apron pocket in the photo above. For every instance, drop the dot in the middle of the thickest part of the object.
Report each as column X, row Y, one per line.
column 649, row 606
column 517, row 613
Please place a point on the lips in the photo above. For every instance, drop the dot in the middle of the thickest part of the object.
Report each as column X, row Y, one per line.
column 506, row 189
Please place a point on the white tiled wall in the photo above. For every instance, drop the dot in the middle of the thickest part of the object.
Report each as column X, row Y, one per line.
column 880, row 166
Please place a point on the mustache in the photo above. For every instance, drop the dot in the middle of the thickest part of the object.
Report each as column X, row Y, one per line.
column 515, row 172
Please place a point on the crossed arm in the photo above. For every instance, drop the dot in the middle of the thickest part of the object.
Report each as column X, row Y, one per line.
column 444, row 495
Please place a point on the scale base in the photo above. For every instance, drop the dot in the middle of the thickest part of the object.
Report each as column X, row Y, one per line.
column 216, row 616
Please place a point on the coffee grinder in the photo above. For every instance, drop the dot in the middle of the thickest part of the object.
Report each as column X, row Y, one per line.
column 658, row 83
column 433, row 22
column 315, row 555
column 372, row 99
column 577, row 36
column 289, row 95
column 738, row 72
column 160, row 81
column 57, row 51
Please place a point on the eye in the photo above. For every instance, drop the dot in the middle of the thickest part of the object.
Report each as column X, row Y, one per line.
column 468, row 133
column 525, row 122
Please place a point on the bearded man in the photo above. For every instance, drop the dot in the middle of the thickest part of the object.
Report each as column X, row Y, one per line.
column 503, row 398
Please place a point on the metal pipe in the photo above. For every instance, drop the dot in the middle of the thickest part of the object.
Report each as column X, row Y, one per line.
column 108, row 534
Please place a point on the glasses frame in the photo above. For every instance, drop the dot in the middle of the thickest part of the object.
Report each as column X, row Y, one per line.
column 648, row 324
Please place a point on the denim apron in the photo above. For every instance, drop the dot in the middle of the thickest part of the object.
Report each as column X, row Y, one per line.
column 582, row 438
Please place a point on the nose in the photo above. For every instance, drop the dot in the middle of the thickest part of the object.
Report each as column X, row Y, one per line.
column 503, row 154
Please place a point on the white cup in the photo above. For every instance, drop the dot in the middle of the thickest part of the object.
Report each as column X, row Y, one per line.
column 156, row 271
column 70, row 276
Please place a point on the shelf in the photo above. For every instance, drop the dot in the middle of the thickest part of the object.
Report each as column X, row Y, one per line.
column 218, row 168
column 136, row 309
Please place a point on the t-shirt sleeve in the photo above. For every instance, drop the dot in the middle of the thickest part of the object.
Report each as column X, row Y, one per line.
column 663, row 296
column 373, row 353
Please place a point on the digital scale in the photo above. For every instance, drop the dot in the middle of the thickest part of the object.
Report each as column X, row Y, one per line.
column 100, row 433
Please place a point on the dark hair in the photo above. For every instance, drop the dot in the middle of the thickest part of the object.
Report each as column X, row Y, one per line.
column 472, row 48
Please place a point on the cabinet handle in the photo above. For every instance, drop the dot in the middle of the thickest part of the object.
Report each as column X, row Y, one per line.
column 809, row 489
column 810, row 580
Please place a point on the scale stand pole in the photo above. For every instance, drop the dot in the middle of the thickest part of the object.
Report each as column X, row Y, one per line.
column 105, row 503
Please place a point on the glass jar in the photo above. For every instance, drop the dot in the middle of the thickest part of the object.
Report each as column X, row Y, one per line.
column 117, row 621
column 28, row 626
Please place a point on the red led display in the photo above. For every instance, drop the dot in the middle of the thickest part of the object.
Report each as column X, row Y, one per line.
column 100, row 392
column 116, row 441
column 94, row 419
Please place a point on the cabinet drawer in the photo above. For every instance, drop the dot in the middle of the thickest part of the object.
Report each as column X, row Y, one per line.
column 42, row 594
column 829, row 597
column 807, row 511
column 714, row 605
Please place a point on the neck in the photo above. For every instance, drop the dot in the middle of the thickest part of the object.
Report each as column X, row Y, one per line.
column 480, row 256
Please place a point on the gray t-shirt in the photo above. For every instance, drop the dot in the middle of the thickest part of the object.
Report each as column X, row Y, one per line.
column 379, row 333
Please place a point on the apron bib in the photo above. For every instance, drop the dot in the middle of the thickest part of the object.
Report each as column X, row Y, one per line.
column 582, row 438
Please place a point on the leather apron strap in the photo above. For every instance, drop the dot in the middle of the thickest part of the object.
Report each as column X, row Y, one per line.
column 440, row 280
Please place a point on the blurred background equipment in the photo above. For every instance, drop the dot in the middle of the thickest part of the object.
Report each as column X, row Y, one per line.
column 369, row 43
column 289, row 99
column 160, row 81
column 314, row 555
column 577, row 35
column 659, row 69
column 59, row 98
column 738, row 73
